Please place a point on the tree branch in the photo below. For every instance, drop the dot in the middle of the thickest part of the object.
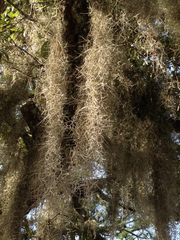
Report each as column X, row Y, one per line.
column 24, row 50
column 132, row 233
column 33, row 118
column 127, row 208
column 176, row 124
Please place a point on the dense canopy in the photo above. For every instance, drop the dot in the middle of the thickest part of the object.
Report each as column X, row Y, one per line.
column 89, row 119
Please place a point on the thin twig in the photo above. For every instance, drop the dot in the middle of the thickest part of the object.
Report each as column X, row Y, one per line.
column 24, row 50
column 133, row 233
column 18, row 70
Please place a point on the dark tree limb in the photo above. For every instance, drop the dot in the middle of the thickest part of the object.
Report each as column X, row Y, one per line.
column 77, row 18
column 175, row 124
column 78, row 207
column 25, row 196
column 2, row 6
column 33, row 118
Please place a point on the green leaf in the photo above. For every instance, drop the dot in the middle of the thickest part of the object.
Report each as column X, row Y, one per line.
column 13, row 15
column 13, row 36
column 45, row 49
column 16, row 14
column 1, row 22
column 22, row 144
column 14, row 29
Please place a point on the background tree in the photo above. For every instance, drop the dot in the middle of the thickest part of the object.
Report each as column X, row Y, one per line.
column 89, row 119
